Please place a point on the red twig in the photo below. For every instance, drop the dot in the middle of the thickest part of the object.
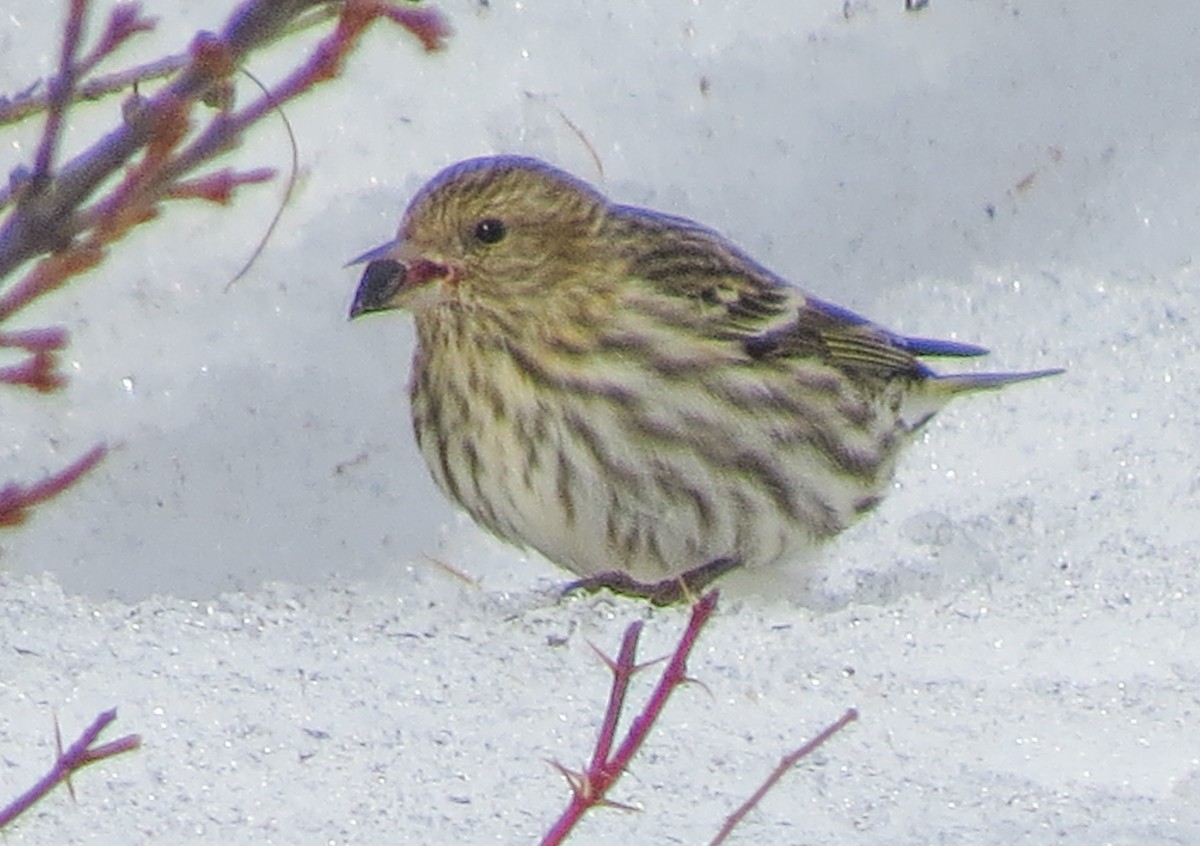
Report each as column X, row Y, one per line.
column 78, row 755
column 15, row 499
column 218, row 187
column 622, row 669
column 590, row 787
column 49, row 273
column 49, row 215
column 427, row 25
column 782, row 767
column 40, row 370
column 46, row 220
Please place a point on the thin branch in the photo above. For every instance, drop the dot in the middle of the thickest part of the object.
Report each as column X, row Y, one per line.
column 76, row 757
column 673, row 675
column 35, row 340
column 40, row 369
column 124, row 21
column 622, row 669
column 590, row 787
column 781, row 768
column 49, row 214
column 39, row 372
column 46, row 220
column 36, row 97
column 61, row 89
column 218, row 187
column 49, row 273
column 15, row 499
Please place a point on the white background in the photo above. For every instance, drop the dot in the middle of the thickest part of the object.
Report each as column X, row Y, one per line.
column 248, row 576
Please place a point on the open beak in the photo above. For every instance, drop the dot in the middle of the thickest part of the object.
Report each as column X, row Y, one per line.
column 387, row 283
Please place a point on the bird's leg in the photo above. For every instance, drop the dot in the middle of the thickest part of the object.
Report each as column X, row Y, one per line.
column 682, row 588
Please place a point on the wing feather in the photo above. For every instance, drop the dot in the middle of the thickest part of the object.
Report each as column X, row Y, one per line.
column 734, row 298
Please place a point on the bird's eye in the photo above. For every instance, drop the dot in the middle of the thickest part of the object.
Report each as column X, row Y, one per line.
column 490, row 230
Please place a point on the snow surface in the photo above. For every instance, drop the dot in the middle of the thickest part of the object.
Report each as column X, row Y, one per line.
column 249, row 576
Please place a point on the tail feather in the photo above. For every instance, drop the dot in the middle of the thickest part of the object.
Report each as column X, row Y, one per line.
column 957, row 383
column 919, row 406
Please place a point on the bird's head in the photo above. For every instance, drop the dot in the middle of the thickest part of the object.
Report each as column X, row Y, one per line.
column 502, row 234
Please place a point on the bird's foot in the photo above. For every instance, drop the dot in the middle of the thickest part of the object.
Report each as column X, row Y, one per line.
column 681, row 588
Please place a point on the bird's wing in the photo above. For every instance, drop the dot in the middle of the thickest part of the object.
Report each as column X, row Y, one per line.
column 737, row 300
column 823, row 330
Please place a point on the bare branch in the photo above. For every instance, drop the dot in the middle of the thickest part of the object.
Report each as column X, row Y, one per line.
column 589, row 788
column 36, row 98
column 49, row 214
column 45, row 220
column 79, row 755
column 61, row 88
column 622, row 669
column 124, row 21
column 15, row 500
column 49, row 274
column 790, row 760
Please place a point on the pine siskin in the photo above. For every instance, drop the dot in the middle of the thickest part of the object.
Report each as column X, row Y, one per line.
column 630, row 394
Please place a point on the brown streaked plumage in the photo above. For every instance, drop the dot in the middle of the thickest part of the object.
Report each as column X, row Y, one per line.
column 626, row 391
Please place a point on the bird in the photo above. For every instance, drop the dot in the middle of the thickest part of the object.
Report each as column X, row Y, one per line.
column 630, row 394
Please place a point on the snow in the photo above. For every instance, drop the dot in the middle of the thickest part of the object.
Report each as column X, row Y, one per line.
column 252, row 576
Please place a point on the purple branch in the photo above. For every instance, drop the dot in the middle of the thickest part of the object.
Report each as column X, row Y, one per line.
column 46, row 220
column 124, row 21
column 35, row 340
column 15, row 500
column 61, row 88
column 78, row 755
column 48, row 274
column 48, row 216
column 38, row 228
column 39, row 371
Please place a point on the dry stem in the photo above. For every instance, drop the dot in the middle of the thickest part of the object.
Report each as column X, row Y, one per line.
column 76, row 757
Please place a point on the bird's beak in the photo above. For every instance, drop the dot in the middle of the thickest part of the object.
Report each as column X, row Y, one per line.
column 381, row 282
column 373, row 253
column 387, row 283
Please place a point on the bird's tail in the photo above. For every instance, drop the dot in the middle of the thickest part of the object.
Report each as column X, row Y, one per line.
column 951, row 384
column 939, row 389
